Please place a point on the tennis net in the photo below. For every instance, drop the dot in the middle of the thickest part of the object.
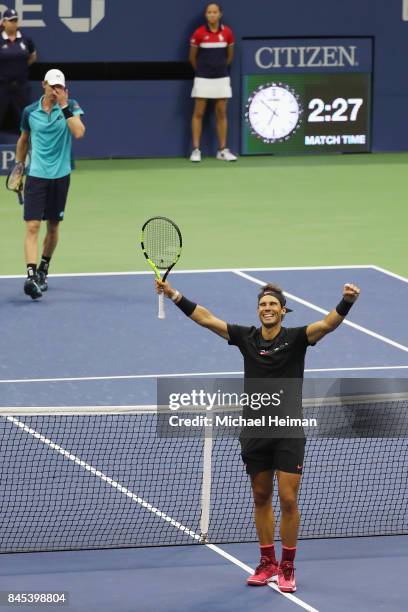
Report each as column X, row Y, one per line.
column 101, row 477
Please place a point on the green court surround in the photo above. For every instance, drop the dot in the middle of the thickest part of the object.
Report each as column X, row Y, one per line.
column 258, row 212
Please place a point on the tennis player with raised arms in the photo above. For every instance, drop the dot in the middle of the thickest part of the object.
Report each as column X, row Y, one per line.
column 271, row 351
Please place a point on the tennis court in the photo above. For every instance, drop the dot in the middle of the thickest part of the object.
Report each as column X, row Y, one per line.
column 111, row 498
column 105, row 347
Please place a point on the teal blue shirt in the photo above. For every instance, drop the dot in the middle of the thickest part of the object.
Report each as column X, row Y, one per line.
column 51, row 139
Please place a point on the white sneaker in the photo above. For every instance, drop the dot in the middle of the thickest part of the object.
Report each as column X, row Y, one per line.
column 226, row 155
column 195, row 155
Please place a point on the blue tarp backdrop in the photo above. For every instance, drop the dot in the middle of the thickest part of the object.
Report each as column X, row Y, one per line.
column 152, row 117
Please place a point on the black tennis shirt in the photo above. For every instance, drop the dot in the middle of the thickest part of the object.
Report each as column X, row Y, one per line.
column 268, row 364
column 282, row 357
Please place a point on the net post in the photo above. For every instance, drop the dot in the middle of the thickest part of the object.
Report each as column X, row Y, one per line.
column 206, row 483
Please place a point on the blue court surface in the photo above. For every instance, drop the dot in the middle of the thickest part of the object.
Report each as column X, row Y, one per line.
column 95, row 340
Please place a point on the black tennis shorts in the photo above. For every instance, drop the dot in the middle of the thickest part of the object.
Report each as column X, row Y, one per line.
column 284, row 454
column 45, row 199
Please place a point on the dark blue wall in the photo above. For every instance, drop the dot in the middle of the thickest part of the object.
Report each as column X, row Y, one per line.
column 152, row 118
column 159, row 31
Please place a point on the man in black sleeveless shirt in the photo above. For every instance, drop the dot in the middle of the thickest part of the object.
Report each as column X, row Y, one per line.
column 271, row 352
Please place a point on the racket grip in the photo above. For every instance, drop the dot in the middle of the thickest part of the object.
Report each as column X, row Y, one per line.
column 20, row 197
column 162, row 312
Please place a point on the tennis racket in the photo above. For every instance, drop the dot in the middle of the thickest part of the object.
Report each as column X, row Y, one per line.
column 161, row 245
column 14, row 181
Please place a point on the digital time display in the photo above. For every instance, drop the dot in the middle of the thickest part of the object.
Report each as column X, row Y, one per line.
column 298, row 113
column 340, row 110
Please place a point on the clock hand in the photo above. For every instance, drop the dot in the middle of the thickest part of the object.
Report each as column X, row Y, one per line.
column 274, row 114
column 267, row 106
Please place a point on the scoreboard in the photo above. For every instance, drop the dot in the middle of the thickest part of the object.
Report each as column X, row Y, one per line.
column 302, row 96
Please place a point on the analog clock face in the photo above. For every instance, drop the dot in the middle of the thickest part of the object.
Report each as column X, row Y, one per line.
column 273, row 112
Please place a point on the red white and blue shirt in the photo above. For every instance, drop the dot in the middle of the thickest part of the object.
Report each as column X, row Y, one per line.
column 212, row 54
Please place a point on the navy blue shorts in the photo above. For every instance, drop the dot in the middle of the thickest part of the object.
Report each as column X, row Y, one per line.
column 45, row 199
column 283, row 454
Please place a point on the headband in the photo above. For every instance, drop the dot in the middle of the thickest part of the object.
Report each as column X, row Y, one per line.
column 279, row 296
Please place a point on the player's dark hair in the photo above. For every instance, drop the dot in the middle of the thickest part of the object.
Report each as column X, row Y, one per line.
column 210, row 3
column 271, row 287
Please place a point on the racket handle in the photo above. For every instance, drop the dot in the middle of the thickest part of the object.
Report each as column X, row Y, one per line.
column 20, row 197
column 162, row 312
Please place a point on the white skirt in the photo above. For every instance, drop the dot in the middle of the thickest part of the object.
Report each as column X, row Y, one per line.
column 211, row 88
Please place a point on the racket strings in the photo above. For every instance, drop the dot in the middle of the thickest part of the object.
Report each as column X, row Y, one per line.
column 162, row 243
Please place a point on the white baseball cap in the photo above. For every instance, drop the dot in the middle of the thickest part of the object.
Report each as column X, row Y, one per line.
column 55, row 77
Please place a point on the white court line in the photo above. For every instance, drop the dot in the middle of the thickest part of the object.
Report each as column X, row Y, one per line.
column 145, row 504
column 365, row 330
column 389, row 273
column 222, row 270
column 201, row 271
column 248, row 569
column 363, row 369
column 185, row 375
column 119, row 377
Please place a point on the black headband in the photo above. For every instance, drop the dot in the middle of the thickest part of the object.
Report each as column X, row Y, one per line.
column 279, row 296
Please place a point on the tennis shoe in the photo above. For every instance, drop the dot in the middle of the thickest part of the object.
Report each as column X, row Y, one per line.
column 31, row 288
column 226, row 155
column 267, row 571
column 42, row 281
column 195, row 155
column 286, row 577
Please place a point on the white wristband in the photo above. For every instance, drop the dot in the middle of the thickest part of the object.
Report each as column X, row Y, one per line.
column 175, row 296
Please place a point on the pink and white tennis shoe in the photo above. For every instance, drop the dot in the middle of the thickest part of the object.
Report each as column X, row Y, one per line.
column 267, row 571
column 286, row 577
